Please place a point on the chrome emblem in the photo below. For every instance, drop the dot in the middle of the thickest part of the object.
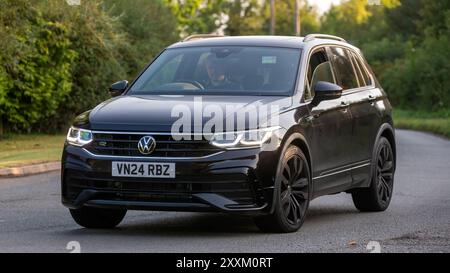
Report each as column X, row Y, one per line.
column 147, row 145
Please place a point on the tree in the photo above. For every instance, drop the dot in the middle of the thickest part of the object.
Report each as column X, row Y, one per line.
column 309, row 18
column 150, row 27
column 273, row 17
column 420, row 79
column 403, row 19
column 102, row 56
column 297, row 22
column 434, row 18
column 36, row 60
column 357, row 21
column 352, row 14
column 245, row 17
column 406, row 43
column 198, row 16
column 286, row 17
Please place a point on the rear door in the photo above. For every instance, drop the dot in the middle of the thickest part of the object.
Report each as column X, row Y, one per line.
column 366, row 120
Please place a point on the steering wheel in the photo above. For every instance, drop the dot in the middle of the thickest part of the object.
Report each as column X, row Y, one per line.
column 194, row 83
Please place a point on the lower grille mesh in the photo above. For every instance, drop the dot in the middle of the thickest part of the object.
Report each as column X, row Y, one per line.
column 234, row 187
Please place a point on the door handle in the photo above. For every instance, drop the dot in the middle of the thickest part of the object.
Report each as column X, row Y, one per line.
column 372, row 100
column 344, row 107
column 344, row 104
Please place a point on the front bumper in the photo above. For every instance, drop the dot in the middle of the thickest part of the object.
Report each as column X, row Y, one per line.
column 234, row 181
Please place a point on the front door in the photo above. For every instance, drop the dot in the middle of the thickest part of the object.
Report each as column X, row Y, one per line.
column 331, row 122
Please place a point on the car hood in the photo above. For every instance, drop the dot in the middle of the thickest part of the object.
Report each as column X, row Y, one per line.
column 158, row 113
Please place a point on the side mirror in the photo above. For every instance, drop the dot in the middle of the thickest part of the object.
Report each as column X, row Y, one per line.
column 118, row 88
column 326, row 91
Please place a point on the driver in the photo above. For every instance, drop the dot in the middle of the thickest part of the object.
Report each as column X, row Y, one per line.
column 215, row 69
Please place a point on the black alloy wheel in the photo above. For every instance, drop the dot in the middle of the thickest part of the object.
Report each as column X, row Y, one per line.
column 378, row 196
column 385, row 173
column 294, row 189
column 293, row 194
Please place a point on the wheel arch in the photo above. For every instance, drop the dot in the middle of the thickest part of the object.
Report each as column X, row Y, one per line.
column 297, row 139
column 301, row 143
column 386, row 130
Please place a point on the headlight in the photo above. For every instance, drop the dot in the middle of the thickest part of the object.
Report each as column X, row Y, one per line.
column 79, row 137
column 243, row 139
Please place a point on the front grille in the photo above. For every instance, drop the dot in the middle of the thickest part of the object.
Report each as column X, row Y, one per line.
column 122, row 144
column 235, row 187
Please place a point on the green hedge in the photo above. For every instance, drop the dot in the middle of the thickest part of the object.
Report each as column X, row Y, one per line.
column 36, row 72
column 59, row 60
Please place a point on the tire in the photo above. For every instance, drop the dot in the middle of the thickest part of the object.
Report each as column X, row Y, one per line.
column 292, row 194
column 378, row 195
column 97, row 218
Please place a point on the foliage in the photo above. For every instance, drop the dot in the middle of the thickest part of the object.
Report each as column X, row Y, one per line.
column 357, row 21
column 36, row 68
column 197, row 16
column 435, row 122
column 284, row 14
column 421, row 80
column 150, row 26
column 244, row 17
column 59, row 60
column 99, row 46
column 405, row 42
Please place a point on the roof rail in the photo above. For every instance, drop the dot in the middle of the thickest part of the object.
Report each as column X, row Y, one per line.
column 311, row 37
column 201, row 36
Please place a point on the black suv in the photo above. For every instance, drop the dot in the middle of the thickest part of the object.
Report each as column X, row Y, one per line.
column 159, row 144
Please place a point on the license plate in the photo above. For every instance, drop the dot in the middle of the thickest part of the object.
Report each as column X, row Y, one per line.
column 143, row 169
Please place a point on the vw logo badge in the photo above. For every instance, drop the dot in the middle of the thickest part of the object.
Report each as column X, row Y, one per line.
column 147, row 145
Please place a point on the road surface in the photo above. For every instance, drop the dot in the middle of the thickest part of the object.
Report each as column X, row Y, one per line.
column 32, row 218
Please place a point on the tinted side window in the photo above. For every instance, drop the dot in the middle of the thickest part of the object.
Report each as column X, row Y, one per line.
column 361, row 80
column 319, row 69
column 363, row 70
column 343, row 67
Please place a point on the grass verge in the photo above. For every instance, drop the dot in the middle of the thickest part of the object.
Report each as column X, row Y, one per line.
column 434, row 122
column 20, row 150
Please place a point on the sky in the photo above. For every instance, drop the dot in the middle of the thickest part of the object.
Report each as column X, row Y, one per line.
column 323, row 5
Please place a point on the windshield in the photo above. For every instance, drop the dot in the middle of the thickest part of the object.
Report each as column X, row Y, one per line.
column 230, row 70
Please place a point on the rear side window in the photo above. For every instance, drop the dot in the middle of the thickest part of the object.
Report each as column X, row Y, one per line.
column 361, row 80
column 362, row 71
column 343, row 67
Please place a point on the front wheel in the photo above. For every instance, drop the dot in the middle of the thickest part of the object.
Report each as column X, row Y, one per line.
column 292, row 194
column 378, row 196
column 97, row 218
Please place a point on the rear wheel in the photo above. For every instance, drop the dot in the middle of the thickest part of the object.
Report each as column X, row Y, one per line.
column 90, row 217
column 378, row 196
column 292, row 194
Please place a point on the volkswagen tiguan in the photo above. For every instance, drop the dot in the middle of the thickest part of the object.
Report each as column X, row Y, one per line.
column 252, row 125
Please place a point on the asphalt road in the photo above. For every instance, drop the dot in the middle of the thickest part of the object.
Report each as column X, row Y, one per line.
column 418, row 220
